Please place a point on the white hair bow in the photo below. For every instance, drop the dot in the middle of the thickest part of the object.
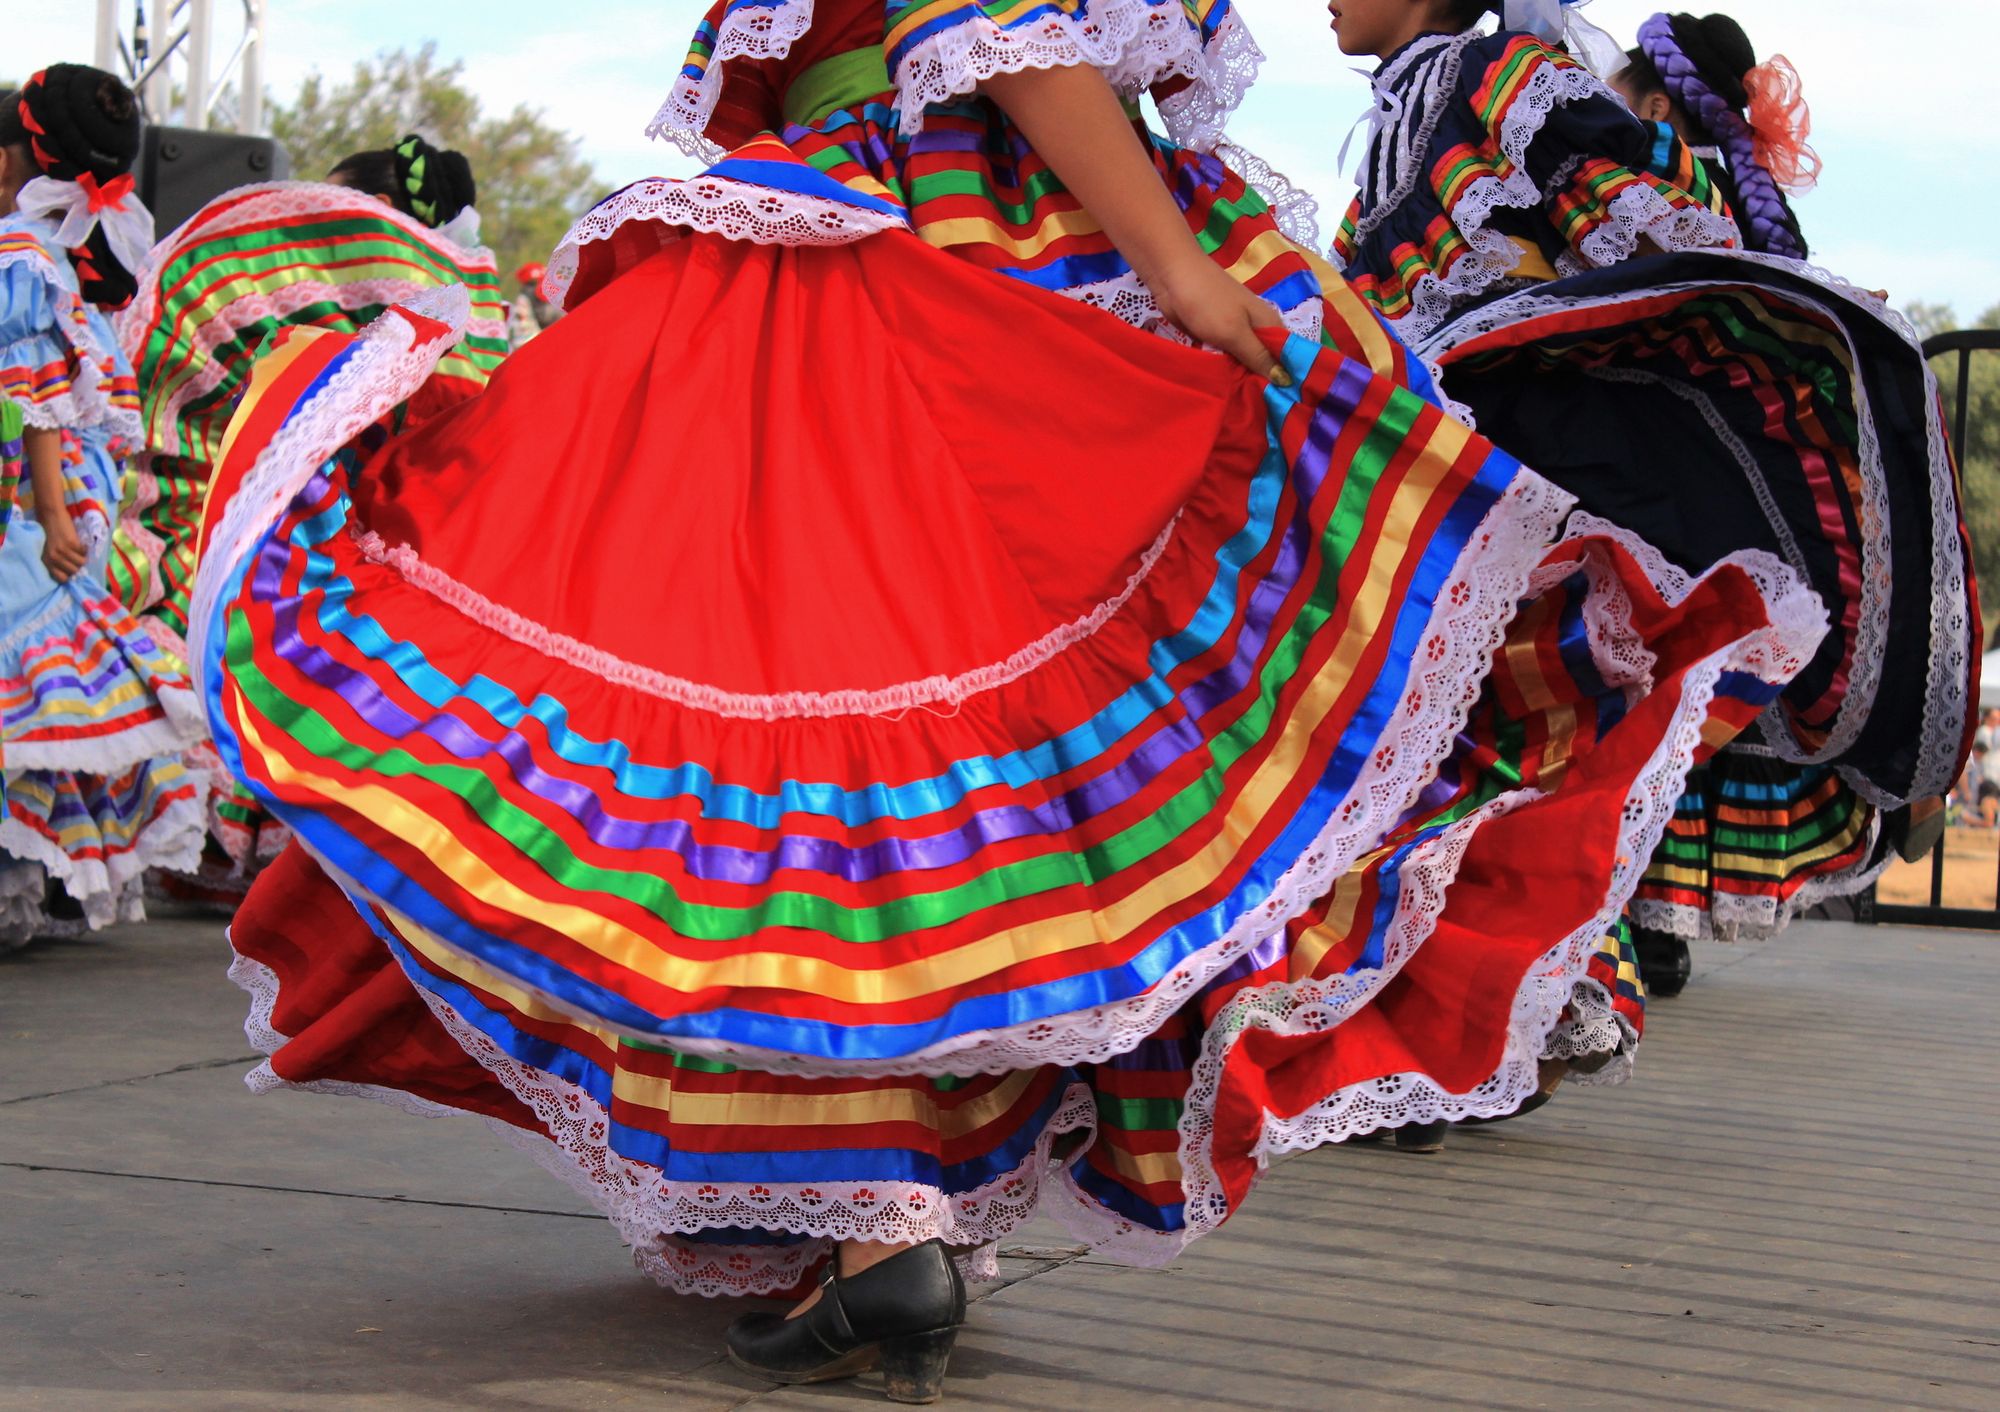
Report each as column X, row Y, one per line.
column 1557, row 22
column 81, row 206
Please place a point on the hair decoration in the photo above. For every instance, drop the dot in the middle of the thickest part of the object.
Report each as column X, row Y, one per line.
column 1557, row 23
column 84, row 143
column 1780, row 123
column 437, row 183
column 1763, row 210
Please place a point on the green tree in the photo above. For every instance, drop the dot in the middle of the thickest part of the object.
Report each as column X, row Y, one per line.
column 1978, row 448
column 532, row 182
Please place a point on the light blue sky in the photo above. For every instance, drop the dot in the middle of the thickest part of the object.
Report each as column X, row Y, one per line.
column 1901, row 95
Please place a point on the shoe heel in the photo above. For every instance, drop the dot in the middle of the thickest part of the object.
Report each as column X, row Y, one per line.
column 1422, row 1137
column 913, row 1365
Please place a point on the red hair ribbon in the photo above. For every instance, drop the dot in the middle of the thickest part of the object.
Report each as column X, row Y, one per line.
column 1780, row 123
column 111, row 195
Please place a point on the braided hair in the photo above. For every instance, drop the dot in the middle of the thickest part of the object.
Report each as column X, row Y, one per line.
column 1706, row 65
column 420, row 180
column 74, row 121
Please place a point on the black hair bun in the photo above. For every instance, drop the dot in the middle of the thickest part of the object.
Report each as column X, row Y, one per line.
column 438, row 183
column 80, row 120
column 1717, row 46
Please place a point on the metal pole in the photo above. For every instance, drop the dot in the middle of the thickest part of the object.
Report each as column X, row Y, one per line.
column 250, row 100
column 200, row 24
column 106, row 56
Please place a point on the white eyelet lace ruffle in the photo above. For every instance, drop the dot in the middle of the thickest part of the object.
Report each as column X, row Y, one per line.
column 1135, row 44
column 1796, row 624
column 759, row 32
column 1294, row 209
column 714, row 205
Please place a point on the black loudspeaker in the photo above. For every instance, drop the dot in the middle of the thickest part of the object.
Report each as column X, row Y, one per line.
column 182, row 169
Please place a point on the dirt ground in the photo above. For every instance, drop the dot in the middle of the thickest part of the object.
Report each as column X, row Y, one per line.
column 1971, row 863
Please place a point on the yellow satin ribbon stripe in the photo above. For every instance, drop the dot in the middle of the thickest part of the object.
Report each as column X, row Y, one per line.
column 977, row 960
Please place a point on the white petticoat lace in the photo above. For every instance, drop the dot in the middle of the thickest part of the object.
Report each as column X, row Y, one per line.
column 111, row 890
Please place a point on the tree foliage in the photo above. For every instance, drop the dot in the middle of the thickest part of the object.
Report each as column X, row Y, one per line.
column 1978, row 447
column 532, row 182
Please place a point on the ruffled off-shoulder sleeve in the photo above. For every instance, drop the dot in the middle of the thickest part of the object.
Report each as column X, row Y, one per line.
column 1194, row 56
column 727, row 92
column 1556, row 137
column 59, row 358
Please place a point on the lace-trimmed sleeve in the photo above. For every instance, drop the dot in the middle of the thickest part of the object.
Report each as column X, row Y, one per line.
column 717, row 103
column 1195, row 56
column 1557, row 138
column 58, row 364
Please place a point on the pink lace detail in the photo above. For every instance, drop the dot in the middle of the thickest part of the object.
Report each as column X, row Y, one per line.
column 928, row 694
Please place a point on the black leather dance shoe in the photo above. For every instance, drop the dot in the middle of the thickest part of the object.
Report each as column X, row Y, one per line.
column 903, row 1314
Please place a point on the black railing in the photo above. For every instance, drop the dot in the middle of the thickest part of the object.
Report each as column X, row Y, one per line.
column 1965, row 344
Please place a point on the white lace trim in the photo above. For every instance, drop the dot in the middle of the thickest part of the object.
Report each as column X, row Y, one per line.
column 764, row 32
column 647, row 1210
column 1947, row 687
column 1732, row 916
column 1399, row 158
column 111, row 892
column 1466, row 626
column 1592, row 1029
column 1396, row 154
column 279, row 305
column 715, row 205
column 87, row 405
column 388, row 365
column 260, row 983
column 1796, row 622
column 1641, row 213
column 1134, row 43
column 1294, row 209
column 257, row 205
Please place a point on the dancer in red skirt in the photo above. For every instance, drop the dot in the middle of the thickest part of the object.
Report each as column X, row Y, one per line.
column 860, row 733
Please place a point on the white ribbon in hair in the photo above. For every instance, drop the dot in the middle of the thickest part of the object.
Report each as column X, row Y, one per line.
column 1557, row 22
column 462, row 229
column 78, row 208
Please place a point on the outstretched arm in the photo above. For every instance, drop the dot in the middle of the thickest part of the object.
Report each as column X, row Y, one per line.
column 1078, row 126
